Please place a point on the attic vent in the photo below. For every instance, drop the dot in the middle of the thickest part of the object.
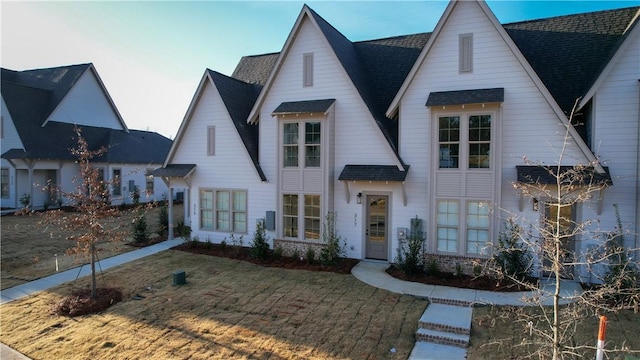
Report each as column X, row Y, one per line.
column 307, row 69
column 466, row 53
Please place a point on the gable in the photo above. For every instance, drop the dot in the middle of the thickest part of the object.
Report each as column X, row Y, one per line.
column 87, row 104
column 9, row 138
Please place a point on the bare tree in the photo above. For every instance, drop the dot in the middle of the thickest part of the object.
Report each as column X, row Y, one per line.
column 556, row 190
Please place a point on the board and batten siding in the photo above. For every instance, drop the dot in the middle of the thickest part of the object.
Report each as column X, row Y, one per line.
column 87, row 104
column 230, row 168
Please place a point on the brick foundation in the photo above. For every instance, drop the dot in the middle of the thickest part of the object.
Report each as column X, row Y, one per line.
column 454, row 263
column 289, row 247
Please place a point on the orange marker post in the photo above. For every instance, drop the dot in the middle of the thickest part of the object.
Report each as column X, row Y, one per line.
column 601, row 334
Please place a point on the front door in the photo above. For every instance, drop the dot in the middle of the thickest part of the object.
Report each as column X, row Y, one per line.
column 563, row 217
column 376, row 232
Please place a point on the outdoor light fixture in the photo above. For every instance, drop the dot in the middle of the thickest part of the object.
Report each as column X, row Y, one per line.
column 359, row 198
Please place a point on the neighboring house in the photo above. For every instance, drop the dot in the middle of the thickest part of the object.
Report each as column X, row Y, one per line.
column 40, row 110
column 429, row 126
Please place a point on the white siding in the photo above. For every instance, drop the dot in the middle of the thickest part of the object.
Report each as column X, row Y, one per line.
column 86, row 104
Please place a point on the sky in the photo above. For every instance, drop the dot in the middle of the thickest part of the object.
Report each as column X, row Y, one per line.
column 151, row 55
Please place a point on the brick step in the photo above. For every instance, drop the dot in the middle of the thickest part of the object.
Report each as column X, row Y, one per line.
column 447, row 319
column 442, row 338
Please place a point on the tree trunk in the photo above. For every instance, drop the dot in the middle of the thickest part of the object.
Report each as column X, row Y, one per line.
column 94, row 293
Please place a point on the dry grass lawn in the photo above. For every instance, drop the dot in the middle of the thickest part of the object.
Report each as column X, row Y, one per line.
column 28, row 250
column 228, row 309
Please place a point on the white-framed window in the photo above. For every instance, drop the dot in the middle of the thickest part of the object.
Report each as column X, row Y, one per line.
column 4, row 182
column 478, row 227
column 149, row 182
column 309, row 212
column 290, row 215
column 464, row 141
column 465, row 53
column 448, row 223
column 211, row 140
column 302, row 136
column 307, row 69
column 223, row 210
column 116, row 182
column 312, row 218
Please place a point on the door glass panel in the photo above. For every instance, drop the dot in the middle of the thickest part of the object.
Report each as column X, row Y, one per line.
column 377, row 219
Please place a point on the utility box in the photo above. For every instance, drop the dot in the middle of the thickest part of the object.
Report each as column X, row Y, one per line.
column 179, row 277
column 270, row 221
column 402, row 233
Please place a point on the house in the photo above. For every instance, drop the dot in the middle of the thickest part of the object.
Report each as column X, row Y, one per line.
column 421, row 132
column 40, row 110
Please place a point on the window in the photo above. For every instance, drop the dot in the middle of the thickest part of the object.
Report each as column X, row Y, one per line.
column 307, row 69
column 149, row 182
column 465, row 53
column 211, row 140
column 4, row 182
column 290, row 215
column 206, row 209
column 475, row 130
column 227, row 209
column 117, row 182
column 312, row 144
column 447, row 225
column 311, row 133
column 312, row 217
column 479, row 141
column 290, row 145
column 449, row 140
column 477, row 227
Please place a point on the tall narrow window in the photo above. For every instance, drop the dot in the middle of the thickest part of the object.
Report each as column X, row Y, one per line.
column 222, row 211
column 312, row 144
column 206, row 209
column 447, row 224
column 479, row 141
column 290, row 145
column 477, row 227
column 290, row 215
column 239, row 211
column 307, row 69
column 449, row 141
column 466, row 52
column 312, row 216
column 116, row 182
column 211, row 140
column 4, row 182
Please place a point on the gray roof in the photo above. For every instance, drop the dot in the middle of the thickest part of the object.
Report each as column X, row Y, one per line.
column 175, row 170
column 544, row 174
column 477, row 96
column 32, row 95
column 310, row 106
column 373, row 173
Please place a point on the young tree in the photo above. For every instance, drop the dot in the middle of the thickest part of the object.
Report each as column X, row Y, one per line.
column 90, row 199
column 570, row 186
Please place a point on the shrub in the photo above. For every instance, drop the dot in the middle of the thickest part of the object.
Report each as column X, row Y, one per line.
column 410, row 257
column 140, row 230
column 277, row 252
column 432, row 268
column 296, row 254
column 310, row 255
column 334, row 244
column 182, row 230
column 622, row 274
column 260, row 242
column 512, row 257
column 163, row 219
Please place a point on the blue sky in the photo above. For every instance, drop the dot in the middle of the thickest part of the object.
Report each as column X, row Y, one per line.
column 152, row 54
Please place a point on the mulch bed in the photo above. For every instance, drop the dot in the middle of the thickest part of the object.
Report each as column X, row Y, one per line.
column 81, row 303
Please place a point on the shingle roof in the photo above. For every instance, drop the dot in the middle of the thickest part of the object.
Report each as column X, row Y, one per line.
column 373, row 173
column 310, row 106
column 584, row 175
column 238, row 98
column 175, row 170
column 32, row 95
column 476, row 96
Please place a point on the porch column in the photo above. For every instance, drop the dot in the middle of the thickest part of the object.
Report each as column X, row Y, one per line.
column 170, row 225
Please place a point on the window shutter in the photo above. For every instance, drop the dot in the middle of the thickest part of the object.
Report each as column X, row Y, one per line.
column 307, row 69
column 211, row 140
column 466, row 52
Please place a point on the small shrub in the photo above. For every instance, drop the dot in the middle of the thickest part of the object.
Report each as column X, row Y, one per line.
column 135, row 196
column 182, row 230
column 163, row 219
column 310, row 255
column 208, row 244
column 622, row 273
column 334, row 244
column 458, row 270
column 512, row 257
column 140, row 230
column 223, row 245
column 296, row 254
column 277, row 252
column 260, row 243
column 410, row 257
column 193, row 242
column 432, row 267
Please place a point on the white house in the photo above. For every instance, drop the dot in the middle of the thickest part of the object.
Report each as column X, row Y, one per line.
column 40, row 110
column 431, row 126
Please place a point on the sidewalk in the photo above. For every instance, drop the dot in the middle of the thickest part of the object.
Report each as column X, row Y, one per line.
column 20, row 291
